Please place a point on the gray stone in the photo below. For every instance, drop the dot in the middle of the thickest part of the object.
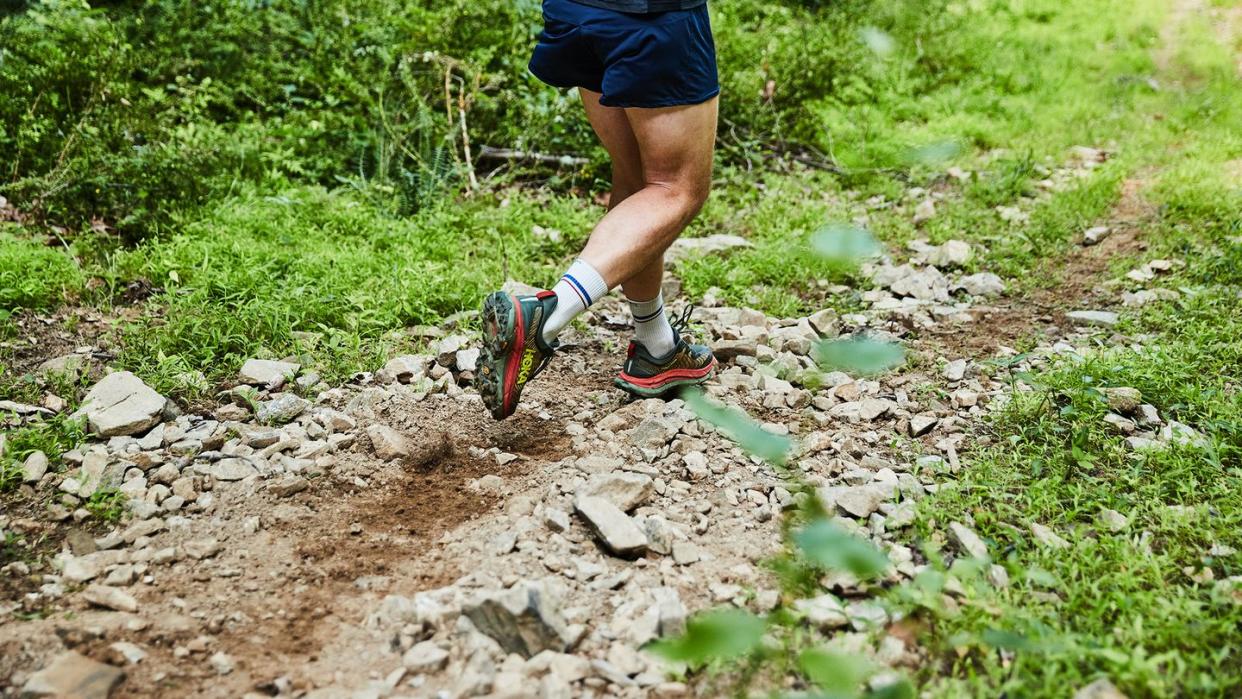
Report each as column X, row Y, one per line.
column 951, row 253
column 1102, row 319
column 22, row 409
column 872, row 408
column 141, row 528
column 687, row 248
column 446, row 350
column 282, row 409
column 922, row 424
column 290, row 485
column 685, row 553
column 73, row 676
column 408, row 368
column 660, row 535
column 261, row 372
column 1099, row 689
column 468, row 359
column 696, row 464
column 66, row 364
column 232, row 469
column 1095, row 235
column 34, row 467
column 902, row 516
column 655, row 432
column 983, row 284
column 425, row 657
column 1113, row 520
column 388, row 443
column 728, row 350
column 955, row 370
column 199, row 549
column 110, row 598
column 625, row 490
column 121, row 404
column 1046, row 537
column 524, row 619
column 860, row 501
column 1123, row 399
column 556, row 519
column 616, row 531
column 131, row 653
column 221, row 662
column 824, row 612
column 967, row 540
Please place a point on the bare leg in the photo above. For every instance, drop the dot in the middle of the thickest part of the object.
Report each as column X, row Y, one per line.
column 675, row 155
column 612, row 126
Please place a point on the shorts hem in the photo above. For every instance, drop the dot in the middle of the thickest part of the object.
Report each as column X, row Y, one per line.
column 656, row 104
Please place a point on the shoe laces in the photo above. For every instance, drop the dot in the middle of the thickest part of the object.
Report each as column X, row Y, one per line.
column 682, row 323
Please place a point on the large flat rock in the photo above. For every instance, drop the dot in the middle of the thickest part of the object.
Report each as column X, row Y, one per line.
column 121, row 404
column 73, row 676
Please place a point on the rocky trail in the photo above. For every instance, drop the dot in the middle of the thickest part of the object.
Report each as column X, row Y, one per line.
column 386, row 538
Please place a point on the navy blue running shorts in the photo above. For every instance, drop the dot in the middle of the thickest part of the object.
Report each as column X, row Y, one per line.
column 661, row 59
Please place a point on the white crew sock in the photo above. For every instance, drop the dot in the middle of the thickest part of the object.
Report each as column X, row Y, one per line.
column 651, row 326
column 578, row 288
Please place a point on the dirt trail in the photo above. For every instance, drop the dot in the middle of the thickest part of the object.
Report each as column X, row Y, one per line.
column 358, row 581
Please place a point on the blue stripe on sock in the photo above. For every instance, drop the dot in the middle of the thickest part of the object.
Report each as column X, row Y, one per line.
column 576, row 292
column 644, row 319
column 581, row 288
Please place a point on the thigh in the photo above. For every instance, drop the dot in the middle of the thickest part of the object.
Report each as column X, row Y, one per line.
column 612, row 126
column 676, row 144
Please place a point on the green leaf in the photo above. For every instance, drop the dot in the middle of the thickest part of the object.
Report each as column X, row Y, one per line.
column 714, row 635
column 836, row 674
column 901, row 689
column 736, row 425
column 859, row 356
column 1007, row 640
column 935, row 153
column 827, row 545
column 843, row 244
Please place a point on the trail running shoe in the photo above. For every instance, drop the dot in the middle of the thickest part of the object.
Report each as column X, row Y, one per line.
column 649, row 377
column 513, row 348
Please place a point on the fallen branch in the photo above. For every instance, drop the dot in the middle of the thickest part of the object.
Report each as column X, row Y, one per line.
column 489, row 153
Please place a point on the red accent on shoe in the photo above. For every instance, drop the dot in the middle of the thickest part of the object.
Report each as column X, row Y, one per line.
column 515, row 355
column 629, row 351
column 547, row 293
column 667, row 376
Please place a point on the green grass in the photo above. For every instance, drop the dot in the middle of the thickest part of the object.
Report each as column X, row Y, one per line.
column 33, row 275
column 1134, row 606
column 53, row 437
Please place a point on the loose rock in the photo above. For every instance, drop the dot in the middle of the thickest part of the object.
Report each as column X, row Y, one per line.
column 110, row 598
column 1102, row 319
column 616, row 531
column 523, row 619
column 261, row 372
column 967, row 540
column 121, row 404
column 73, row 675
column 625, row 490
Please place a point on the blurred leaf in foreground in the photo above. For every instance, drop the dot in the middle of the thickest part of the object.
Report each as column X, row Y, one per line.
column 835, row 674
column 715, row 635
column 844, row 245
column 737, row 426
column 859, row 356
column 901, row 689
column 880, row 42
column 934, row 153
column 827, row 545
column 1008, row 640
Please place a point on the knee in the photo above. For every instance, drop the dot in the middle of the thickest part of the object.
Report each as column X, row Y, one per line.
column 687, row 196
